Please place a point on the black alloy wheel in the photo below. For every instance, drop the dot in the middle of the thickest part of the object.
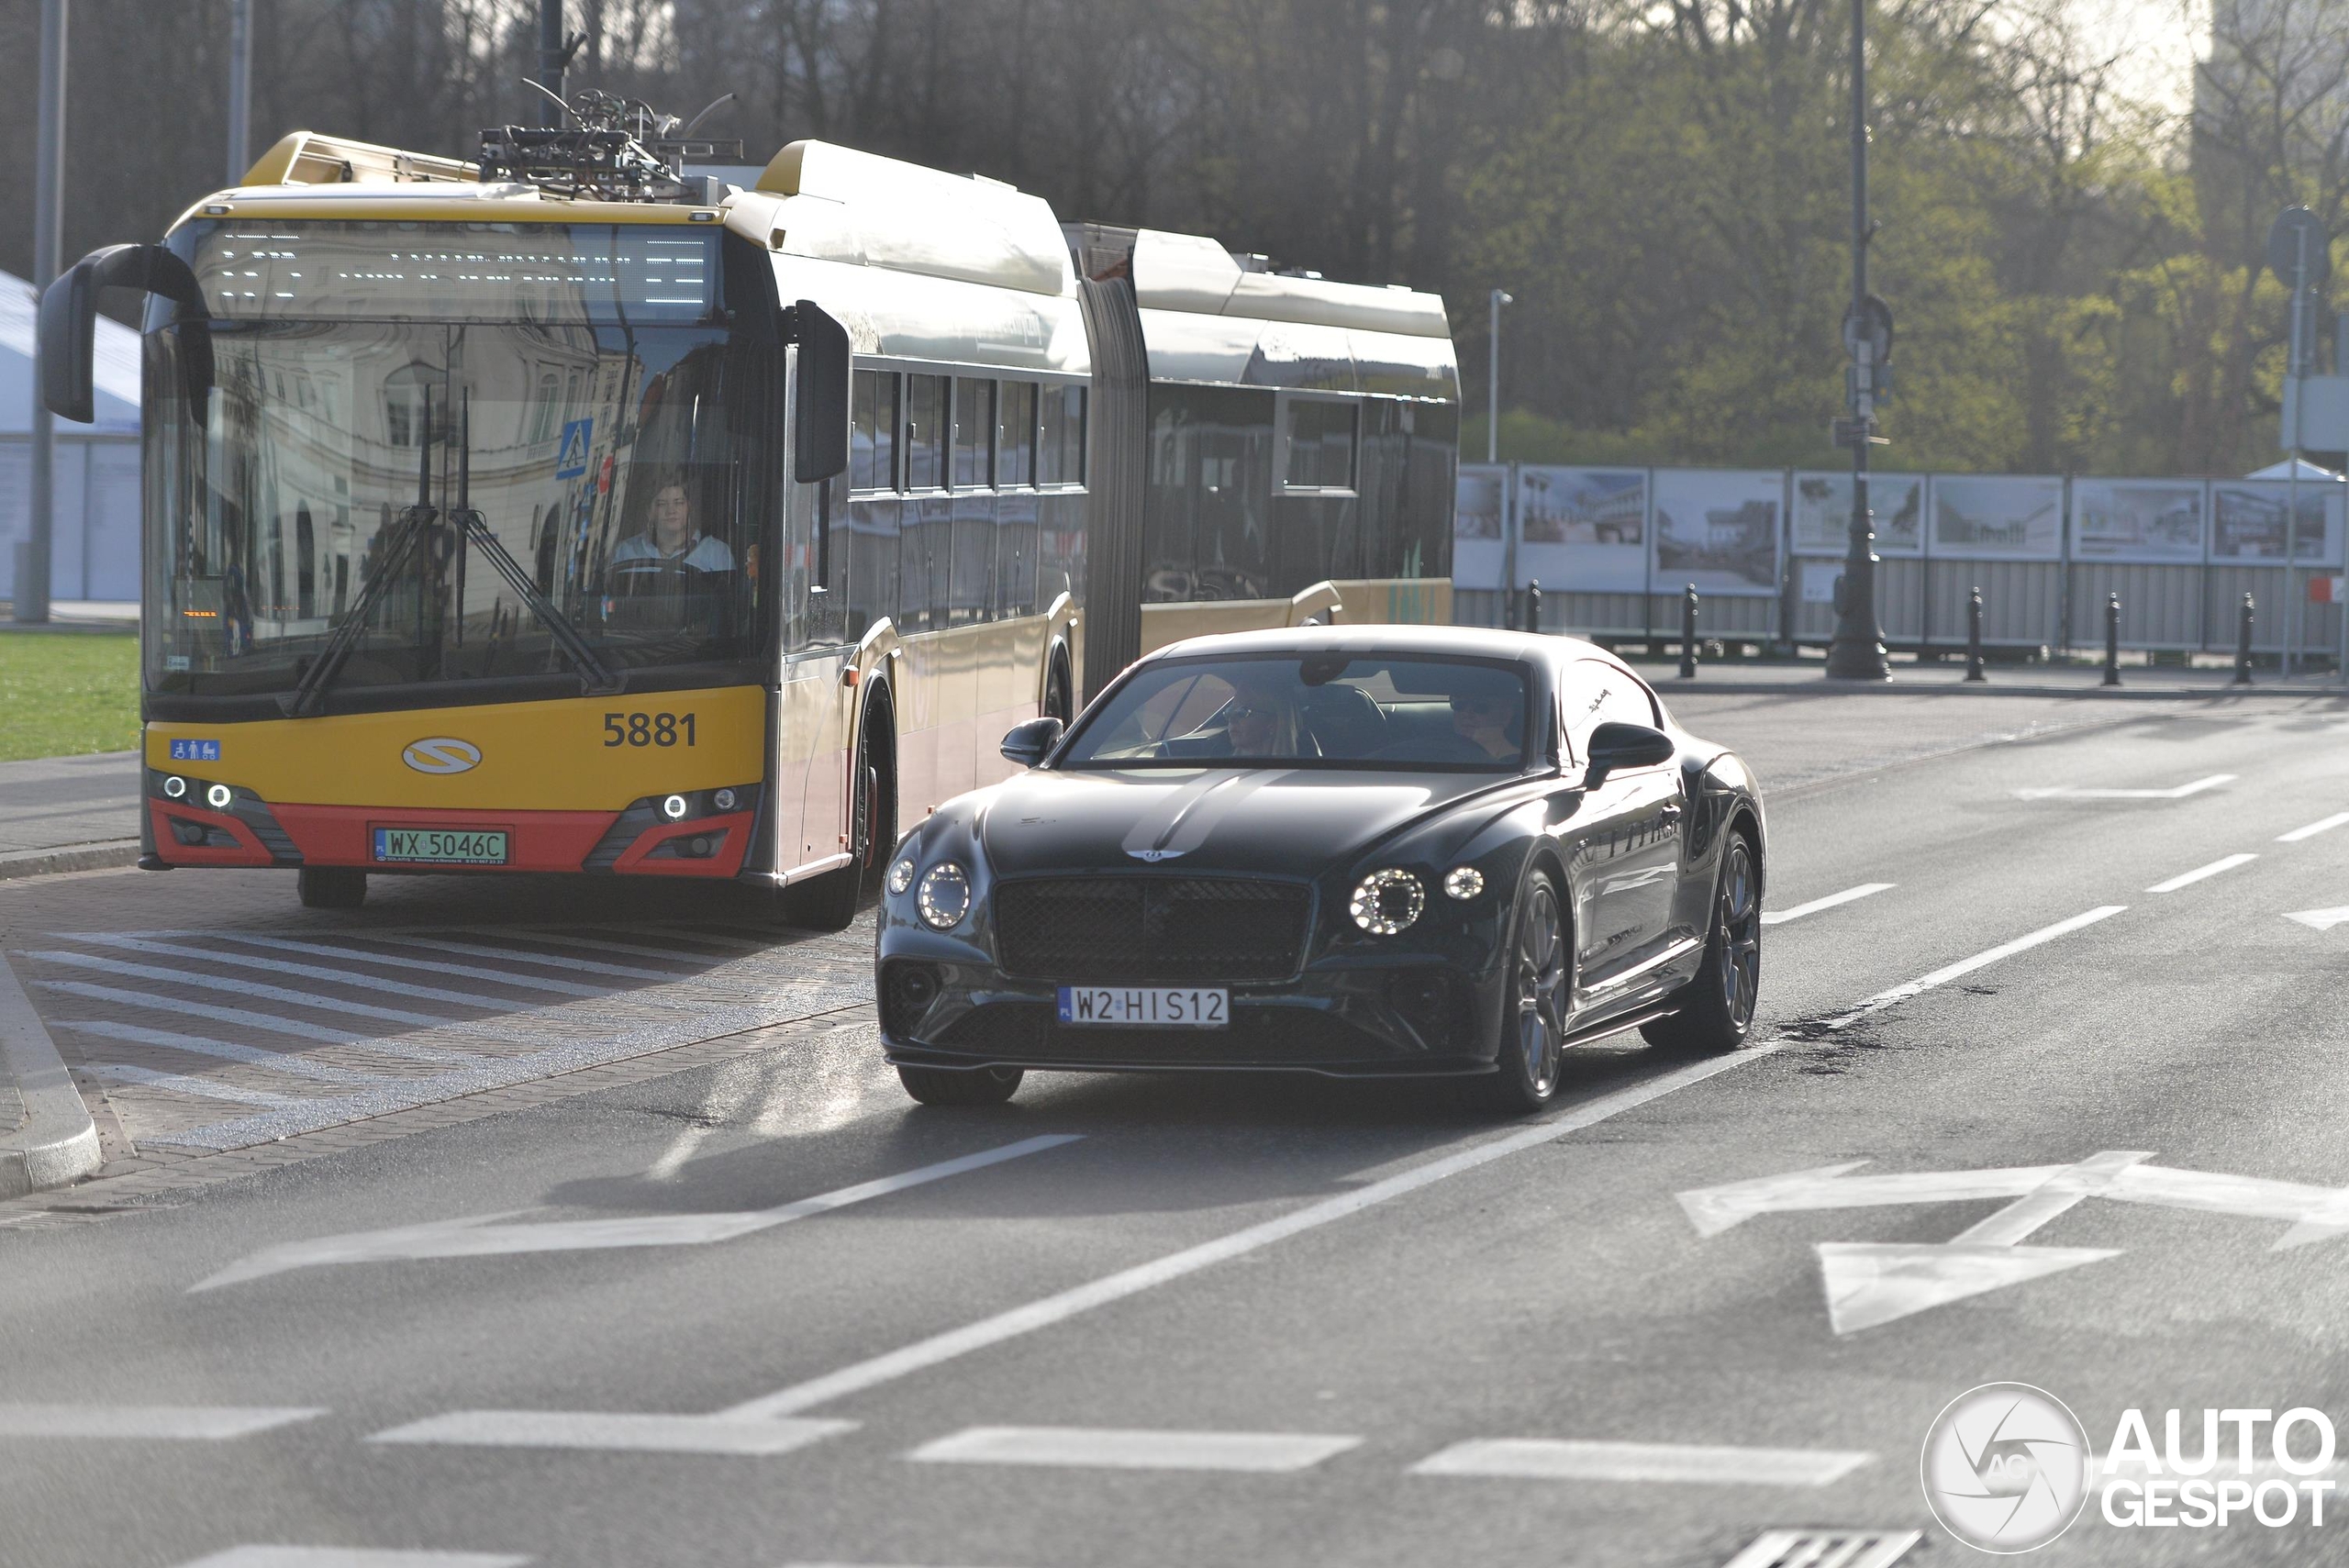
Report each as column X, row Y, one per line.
column 1716, row 1010
column 961, row 1086
column 1533, row 1011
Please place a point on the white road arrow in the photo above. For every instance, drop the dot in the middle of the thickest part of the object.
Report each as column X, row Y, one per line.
column 2069, row 791
column 1869, row 1283
column 484, row 1235
column 2321, row 919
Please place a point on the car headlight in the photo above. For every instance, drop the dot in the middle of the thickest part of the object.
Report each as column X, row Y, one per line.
column 1387, row 901
column 945, row 896
column 901, row 876
column 1464, row 883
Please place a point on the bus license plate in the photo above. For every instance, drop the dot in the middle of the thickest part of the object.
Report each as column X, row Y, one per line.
column 441, row 845
column 1186, row 1009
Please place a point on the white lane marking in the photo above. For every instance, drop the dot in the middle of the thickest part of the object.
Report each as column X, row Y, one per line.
column 196, row 1045
column 477, row 1237
column 1064, row 1304
column 701, row 961
column 2313, row 828
column 336, row 975
column 1103, row 1448
column 2188, row 878
column 1826, row 1548
column 613, row 1432
column 1868, row 1284
column 1570, row 1459
column 1964, row 966
column 194, row 1423
column 299, row 1028
column 2068, row 791
column 1780, row 916
column 2321, row 919
column 485, row 950
column 202, row 1088
column 351, row 1557
column 242, row 988
column 431, row 966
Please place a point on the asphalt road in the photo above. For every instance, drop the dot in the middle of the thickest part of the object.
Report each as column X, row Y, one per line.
column 764, row 1311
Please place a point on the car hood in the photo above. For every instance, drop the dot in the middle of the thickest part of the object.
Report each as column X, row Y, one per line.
column 1291, row 821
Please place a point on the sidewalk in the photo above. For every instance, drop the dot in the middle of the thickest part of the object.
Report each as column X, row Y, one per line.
column 1808, row 677
column 68, row 814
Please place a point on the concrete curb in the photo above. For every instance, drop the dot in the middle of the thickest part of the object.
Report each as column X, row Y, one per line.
column 57, row 1142
column 99, row 856
column 1821, row 687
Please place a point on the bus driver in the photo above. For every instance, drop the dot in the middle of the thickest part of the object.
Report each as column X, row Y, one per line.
column 670, row 536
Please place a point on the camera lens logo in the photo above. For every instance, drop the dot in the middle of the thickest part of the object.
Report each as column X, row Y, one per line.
column 2006, row 1467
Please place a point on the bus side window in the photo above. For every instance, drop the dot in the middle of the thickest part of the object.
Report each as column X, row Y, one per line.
column 1015, row 435
column 1060, row 452
column 873, row 450
column 926, row 432
column 973, row 433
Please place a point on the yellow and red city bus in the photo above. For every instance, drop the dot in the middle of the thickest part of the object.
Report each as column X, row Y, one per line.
column 521, row 522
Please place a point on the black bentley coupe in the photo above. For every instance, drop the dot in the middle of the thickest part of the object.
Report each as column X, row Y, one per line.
column 1363, row 851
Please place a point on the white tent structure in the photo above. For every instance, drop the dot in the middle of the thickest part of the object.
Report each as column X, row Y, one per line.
column 94, row 550
column 2310, row 472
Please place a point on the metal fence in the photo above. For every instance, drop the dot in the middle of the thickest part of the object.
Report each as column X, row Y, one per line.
column 1614, row 548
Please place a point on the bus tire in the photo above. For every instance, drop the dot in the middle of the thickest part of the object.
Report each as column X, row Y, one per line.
column 829, row 901
column 331, row 887
column 1059, row 700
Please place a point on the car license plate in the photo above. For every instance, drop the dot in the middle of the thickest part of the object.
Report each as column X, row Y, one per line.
column 1189, row 1008
column 441, row 845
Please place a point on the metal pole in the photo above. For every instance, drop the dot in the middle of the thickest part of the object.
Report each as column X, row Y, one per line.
column 1493, row 380
column 1974, row 636
column 2112, row 639
column 2296, row 367
column 31, row 594
column 550, row 53
column 2243, row 643
column 1688, row 633
column 1534, row 605
column 240, row 89
column 1857, row 651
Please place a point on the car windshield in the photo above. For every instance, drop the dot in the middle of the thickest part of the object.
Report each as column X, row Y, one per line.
column 1329, row 710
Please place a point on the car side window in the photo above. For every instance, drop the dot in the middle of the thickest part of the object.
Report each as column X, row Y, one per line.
column 1598, row 693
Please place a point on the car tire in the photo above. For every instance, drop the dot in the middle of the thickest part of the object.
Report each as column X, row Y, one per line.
column 1716, row 1009
column 331, row 887
column 1539, row 979
column 961, row 1086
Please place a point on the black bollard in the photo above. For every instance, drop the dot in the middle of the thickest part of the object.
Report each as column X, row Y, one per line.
column 1688, row 634
column 2243, row 643
column 1974, row 636
column 1533, row 606
column 2112, row 639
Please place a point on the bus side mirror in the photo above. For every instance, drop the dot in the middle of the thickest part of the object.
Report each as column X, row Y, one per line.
column 819, row 437
column 69, row 322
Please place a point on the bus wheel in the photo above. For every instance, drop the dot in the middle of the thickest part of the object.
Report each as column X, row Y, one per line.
column 1057, row 701
column 827, row 902
column 331, row 887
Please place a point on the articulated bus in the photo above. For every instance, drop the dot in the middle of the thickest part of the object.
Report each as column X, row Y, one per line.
column 524, row 515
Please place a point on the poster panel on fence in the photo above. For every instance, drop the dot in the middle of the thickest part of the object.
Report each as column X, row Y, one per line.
column 2247, row 522
column 1823, row 520
column 2148, row 521
column 1719, row 529
column 1479, row 525
column 1582, row 530
column 1997, row 516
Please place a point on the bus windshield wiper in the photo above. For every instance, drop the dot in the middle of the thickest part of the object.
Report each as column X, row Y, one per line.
column 413, row 520
column 596, row 677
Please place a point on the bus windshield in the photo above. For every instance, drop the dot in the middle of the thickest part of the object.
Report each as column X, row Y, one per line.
column 416, row 501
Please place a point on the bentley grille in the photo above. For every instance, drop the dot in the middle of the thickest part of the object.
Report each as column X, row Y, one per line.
column 1080, row 930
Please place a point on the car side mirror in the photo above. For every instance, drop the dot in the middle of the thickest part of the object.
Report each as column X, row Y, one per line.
column 1616, row 746
column 819, row 436
column 1028, row 744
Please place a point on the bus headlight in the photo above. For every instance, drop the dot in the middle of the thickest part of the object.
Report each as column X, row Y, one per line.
column 1388, row 901
column 945, row 896
column 723, row 800
column 175, row 787
column 219, row 797
column 673, row 808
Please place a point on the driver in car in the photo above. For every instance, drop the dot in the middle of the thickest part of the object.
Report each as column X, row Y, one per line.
column 671, row 536
column 1483, row 723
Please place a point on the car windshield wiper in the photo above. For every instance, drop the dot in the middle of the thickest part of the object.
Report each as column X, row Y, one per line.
column 596, row 677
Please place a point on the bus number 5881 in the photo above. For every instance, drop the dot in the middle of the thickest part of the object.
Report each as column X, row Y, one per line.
column 647, row 728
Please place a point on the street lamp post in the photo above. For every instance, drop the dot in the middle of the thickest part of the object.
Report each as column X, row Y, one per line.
column 240, row 89
column 1857, row 652
column 31, row 592
column 1493, row 453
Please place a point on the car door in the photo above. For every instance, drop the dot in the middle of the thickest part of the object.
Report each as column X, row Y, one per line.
column 1624, row 936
